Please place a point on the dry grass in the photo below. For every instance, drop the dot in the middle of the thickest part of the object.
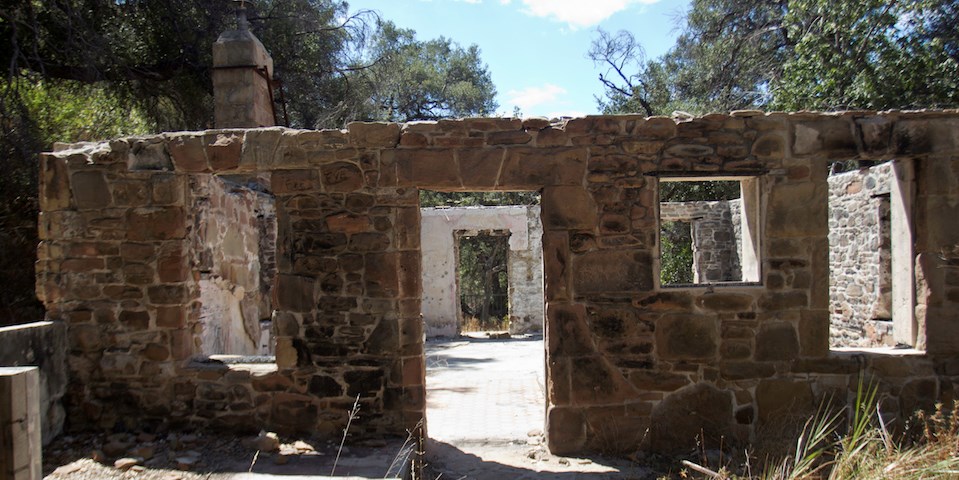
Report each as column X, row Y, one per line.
column 866, row 450
column 472, row 324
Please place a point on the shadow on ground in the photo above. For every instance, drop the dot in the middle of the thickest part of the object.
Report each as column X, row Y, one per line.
column 446, row 461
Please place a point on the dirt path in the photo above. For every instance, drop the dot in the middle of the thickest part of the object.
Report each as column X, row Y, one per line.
column 485, row 415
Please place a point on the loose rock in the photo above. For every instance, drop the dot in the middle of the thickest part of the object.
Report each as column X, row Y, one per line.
column 127, row 463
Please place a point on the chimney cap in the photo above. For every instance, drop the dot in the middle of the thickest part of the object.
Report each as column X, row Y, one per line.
column 241, row 21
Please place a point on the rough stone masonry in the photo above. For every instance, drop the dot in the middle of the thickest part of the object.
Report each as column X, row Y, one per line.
column 118, row 265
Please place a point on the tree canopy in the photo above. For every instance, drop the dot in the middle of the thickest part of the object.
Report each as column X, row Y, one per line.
column 789, row 54
column 96, row 69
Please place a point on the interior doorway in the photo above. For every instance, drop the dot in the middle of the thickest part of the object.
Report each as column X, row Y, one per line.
column 482, row 280
column 483, row 308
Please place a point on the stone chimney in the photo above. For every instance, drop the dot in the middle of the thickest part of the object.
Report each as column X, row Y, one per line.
column 242, row 76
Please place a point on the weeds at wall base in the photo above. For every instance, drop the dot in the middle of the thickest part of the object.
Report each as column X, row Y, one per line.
column 865, row 450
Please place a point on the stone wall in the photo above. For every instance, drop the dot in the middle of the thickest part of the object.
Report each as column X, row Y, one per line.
column 860, row 282
column 715, row 232
column 527, row 304
column 524, row 264
column 623, row 354
column 44, row 345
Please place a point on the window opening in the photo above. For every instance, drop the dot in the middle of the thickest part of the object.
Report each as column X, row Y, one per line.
column 861, row 245
column 709, row 230
column 235, row 244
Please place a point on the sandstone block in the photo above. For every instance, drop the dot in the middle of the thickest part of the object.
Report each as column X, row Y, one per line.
column 655, row 128
column 480, row 166
column 610, row 430
column 608, row 271
column 166, row 189
column 551, row 137
column 348, row 223
column 168, row 294
column 665, row 301
column 594, row 381
column 187, row 153
column 746, row 370
column 54, row 184
column 150, row 224
column 656, row 381
column 413, row 139
column 725, row 302
column 782, row 398
column 830, row 137
column 912, row 137
column 797, row 210
column 687, row 337
column 568, row 332
column 294, row 293
column 516, row 137
column 770, row 146
column 568, row 208
column 784, row 300
column 531, row 169
column 776, row 341
column 171, row 317
column 341, row 177
column 369, row 242
column 286, row 355
column 149, row 154
column 223, row 151
column 382, row 275
column 689, row 150
column 699, row 414
column 90, row 189
column 433, row 168
column 565, row 430
column 294, row 181
column 363, row 382
column 156, row 352
column 814, row 333
column 556, row 265
column 375, row 135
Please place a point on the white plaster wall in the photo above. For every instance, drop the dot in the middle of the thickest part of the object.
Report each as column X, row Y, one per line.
column 525, row 261
column 526, row 289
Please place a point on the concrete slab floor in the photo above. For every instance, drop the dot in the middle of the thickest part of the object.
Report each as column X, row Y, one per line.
column 485, row 415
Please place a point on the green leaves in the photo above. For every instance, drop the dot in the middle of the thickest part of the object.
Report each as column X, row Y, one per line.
column 798, row 54
column 423, row 80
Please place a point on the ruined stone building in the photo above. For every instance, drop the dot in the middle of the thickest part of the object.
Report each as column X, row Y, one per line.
column 139, row 234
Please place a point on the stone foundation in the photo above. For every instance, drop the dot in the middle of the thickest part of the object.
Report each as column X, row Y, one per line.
column 623, row 354
column 44, row 345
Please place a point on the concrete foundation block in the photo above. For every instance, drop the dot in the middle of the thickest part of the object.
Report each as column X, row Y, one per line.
column 20, row 450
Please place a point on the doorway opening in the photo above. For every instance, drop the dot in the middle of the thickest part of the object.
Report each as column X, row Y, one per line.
column 482, row 280
column 483, row 307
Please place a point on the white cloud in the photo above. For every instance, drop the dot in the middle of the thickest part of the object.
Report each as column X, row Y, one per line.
column 566, row 113
column 529, row 98
column 579, row 13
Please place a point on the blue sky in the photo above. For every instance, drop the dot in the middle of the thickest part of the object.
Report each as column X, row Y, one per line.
column 536, row 49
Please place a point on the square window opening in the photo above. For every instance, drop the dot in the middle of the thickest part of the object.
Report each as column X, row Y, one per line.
column 709, row 231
